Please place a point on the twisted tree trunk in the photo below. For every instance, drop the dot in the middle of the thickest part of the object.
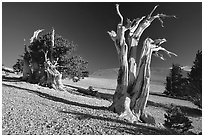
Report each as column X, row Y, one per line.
column 133, row 83
column 51, row 77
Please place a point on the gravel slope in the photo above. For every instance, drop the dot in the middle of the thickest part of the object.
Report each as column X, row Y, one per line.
column 30, row 109
column 29, row 112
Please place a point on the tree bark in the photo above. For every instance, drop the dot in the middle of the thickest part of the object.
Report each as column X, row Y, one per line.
column 52, row 77
column 133, row 82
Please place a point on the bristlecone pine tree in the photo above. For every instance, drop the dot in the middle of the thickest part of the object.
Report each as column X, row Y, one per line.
column 133, row 83
column 48, row 57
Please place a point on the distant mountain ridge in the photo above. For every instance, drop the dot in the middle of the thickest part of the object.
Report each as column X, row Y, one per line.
column 111, row 73
column 158, row 75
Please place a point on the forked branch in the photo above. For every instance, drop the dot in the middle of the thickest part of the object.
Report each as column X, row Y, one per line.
column 45, row 55
column 56, row 62
column 135, row 24
column 147, row 22
column 156, row 48
column 163, row 49
column 159, row 16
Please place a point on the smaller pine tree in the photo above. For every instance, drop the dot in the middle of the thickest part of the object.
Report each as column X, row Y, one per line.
column 174, row 82
column 176, row 120
column 18, row 67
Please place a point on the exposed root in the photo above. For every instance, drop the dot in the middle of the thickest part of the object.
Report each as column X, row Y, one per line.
column 112, row 108
column 127, row 115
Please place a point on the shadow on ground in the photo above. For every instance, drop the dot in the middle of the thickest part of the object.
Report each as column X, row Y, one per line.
column 138, row 128
column 135, row 129
column 57, row 99
column 193, row 112
column 96, row 94
column 11, row 79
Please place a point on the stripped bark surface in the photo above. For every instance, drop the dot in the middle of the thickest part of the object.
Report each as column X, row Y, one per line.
column 133, row 83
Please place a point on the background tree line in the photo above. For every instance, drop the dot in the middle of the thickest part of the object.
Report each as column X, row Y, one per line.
column 189, row 87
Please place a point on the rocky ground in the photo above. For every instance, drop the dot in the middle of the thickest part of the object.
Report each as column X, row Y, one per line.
column 31, row 109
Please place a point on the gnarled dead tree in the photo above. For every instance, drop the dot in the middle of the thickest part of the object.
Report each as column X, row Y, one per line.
column 133, row 81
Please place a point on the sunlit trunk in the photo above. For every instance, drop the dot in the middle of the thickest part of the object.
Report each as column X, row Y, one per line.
column 133, row 83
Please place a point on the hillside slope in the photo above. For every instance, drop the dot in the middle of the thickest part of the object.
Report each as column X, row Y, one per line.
column 32, row 109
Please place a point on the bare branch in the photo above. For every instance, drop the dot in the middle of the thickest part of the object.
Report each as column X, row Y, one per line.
column 160, row 16
column 157, row 54
column 45, row 54
column 159, row 41
column 139, row 27
column 166, row 16
column 149, row 16
column 155, row 48
column 35, row 35
column 129, row 23
column 113, row 35
column 135, row 25
column 163, row 49
column 53, row 37
column 118, row 11
column 56, row 62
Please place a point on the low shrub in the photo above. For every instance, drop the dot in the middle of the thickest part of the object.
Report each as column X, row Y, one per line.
column 176, row 120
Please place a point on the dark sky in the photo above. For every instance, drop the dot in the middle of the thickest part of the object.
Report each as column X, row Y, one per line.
column 86, row 24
